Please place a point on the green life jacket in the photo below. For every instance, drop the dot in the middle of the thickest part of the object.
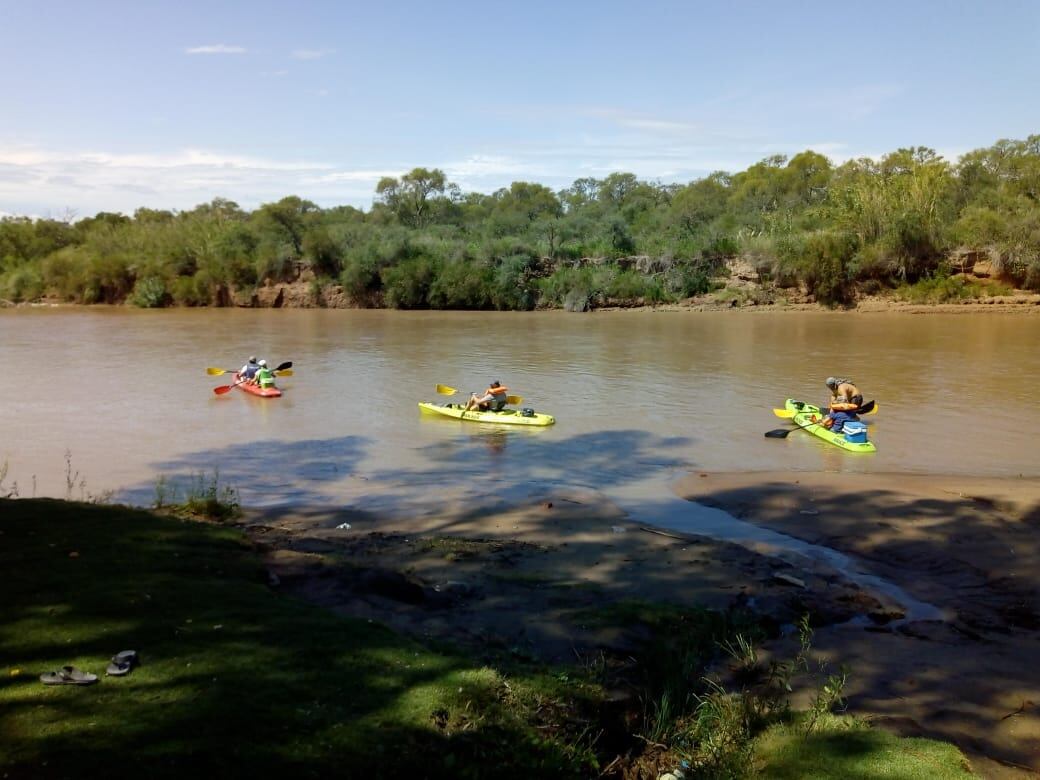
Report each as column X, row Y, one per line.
column 265, row 377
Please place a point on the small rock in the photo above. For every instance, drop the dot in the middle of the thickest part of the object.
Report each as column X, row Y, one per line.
column 547, row 505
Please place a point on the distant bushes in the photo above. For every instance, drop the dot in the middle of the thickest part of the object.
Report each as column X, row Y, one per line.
column 874, row 225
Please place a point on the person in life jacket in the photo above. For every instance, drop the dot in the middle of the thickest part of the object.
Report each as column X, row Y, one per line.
column 264, row 375
column 846, row 399
column 248, row 371
column 494, row 398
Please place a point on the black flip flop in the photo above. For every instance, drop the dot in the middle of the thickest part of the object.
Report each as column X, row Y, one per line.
column 68, row 675
column 122, row 663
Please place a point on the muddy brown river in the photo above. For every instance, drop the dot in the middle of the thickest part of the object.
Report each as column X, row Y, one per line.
column 639, row 396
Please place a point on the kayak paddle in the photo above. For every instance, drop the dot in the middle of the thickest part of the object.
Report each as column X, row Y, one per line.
column 512, row 400
column 227, row 388
column 783, row 433
column 218, row 371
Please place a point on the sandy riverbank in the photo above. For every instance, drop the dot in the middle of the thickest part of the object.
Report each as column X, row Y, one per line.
column 968, row 546
column 526, row 579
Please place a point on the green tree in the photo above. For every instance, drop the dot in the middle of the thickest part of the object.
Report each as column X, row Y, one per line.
column 287, row 220
column 409, row 196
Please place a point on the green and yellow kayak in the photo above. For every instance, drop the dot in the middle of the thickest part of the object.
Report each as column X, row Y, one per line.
column 808, row 417
column 505, row 417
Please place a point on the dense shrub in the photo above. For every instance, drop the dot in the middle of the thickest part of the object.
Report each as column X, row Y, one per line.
column 823, row 261
column 149, row 293
column 407, row 285
column 24, row 283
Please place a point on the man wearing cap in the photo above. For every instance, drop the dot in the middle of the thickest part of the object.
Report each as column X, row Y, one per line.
column 844, row 392
column 248, row 371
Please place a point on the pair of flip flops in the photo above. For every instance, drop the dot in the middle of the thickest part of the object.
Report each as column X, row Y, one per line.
column 121, row 665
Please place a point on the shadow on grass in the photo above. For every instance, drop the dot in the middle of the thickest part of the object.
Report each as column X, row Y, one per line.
column 235, row 680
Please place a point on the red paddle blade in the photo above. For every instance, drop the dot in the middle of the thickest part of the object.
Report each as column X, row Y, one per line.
column 222, row 389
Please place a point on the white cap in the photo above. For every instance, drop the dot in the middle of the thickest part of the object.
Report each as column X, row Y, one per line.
column 263, row 362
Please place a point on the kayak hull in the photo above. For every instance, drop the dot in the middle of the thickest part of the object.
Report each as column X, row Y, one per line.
column 505, row 417
column 807, row 414
column 266, row 392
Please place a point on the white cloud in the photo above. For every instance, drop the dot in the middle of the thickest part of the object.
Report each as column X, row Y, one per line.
column 33, row 178
column 366, row 177
column 652, row 124
column 311, row 54
column 216, row 48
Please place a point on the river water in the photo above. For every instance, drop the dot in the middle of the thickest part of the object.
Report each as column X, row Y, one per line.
column 639, row 396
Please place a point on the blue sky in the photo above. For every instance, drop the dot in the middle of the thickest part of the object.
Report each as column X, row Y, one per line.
column 115, row 105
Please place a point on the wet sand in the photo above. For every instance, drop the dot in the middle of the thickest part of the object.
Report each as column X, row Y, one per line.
column 525, row 580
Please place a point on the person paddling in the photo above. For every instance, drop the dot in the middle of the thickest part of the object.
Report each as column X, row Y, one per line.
column 846, row 399
column 248, row 371
column 264, row 375
column 494, row 398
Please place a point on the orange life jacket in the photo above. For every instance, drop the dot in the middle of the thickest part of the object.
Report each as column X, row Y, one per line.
column 841, row 406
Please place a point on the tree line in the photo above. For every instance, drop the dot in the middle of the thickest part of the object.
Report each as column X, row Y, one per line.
column 835, row 231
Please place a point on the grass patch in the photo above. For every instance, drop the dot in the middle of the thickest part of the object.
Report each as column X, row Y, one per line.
column 199, row 496
column 846, row 748
column 455, row 548
column 235, row 679
column 948, row 289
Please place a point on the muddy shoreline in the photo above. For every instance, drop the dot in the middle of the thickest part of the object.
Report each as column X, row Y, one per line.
column 1021, row 302
column 525, row 580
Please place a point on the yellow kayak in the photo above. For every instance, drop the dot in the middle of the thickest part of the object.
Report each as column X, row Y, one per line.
column 505, row 417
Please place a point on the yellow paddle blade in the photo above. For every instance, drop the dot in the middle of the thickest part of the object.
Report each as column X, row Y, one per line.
column 445, row 390
column 785, row 413
column 513, row 400
column 876, row 407
column 284, row 372
column 218, row 371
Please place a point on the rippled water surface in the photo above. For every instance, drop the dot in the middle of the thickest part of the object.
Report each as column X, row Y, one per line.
column 637, row 395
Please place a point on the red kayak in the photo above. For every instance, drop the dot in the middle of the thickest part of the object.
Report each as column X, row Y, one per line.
column 249, row 387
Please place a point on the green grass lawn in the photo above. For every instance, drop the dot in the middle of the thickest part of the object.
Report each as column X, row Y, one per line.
column 239, row 680
column 235, row 680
